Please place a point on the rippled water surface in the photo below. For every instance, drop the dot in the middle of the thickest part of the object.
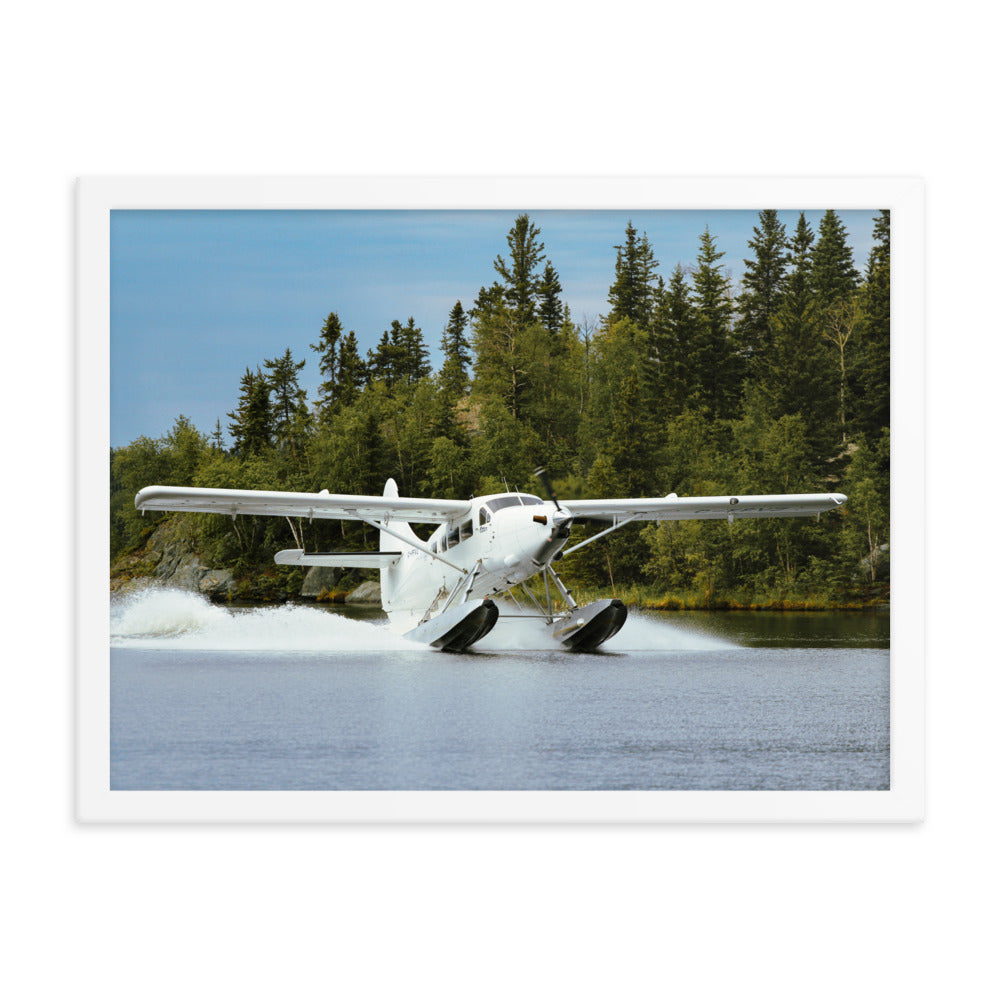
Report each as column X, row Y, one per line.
column 298, row 697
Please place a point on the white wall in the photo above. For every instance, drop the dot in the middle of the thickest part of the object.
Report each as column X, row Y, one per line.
column 302, row 88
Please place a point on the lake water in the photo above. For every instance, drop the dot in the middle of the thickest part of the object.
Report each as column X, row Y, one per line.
column 304, row 697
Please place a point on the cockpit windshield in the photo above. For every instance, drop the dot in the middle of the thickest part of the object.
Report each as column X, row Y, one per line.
column 514, row 500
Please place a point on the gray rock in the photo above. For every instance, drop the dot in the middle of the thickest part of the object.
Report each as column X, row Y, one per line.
column 318, row 579
column 216, row 583
column 367, row 593
column 176, row 565
column 184, row 572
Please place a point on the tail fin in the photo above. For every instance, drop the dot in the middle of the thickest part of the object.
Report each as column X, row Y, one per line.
column 389, row 575
column 388, row 542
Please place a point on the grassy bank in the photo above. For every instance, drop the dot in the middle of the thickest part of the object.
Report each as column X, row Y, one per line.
column 654, row 599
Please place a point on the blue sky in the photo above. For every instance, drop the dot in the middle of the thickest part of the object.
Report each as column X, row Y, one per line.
column 198, row 296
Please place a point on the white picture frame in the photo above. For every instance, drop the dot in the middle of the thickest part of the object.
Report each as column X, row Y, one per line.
column 95, row 801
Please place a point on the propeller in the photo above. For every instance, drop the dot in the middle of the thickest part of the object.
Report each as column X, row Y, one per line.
column 543, row 477
column 562, row 520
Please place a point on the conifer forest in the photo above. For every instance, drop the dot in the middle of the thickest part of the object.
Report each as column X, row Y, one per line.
column 690, row 383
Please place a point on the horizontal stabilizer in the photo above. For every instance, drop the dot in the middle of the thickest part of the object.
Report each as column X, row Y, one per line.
column 354, row 560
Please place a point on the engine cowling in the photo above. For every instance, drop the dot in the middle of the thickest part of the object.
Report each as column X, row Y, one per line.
column 560, row 523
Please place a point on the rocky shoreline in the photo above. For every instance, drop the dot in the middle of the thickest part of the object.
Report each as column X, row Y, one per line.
column 169, row 558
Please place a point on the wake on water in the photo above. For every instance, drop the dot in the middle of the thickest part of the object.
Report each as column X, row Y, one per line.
column 161, row 618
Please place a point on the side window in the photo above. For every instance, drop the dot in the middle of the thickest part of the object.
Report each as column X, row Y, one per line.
column 484, row 515
column 465, row 530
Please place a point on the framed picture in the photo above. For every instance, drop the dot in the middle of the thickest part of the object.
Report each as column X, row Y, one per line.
column 500, row 500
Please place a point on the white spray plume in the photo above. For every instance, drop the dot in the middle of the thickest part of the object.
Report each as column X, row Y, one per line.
column 159, row 618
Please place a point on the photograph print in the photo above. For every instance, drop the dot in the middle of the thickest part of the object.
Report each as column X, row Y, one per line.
column 500, row 500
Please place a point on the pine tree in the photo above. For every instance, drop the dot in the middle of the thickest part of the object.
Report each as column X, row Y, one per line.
column 833, row 273
column 507, row 334
column 763, row 284
column 385, row 362
column 800, row 281
column 414, row 356
column 868, row 375
column 352, row 372
column 283, row 381
column 401, row 357
column 457, row 356
column 617, row 422
column 217, row 435
column 381, row 361
column 329, row 355
column 798, row 375
column 490, row 302
column 715, row 366
column 298, row 434
column 835, row 282
column 522, row 283
column 673, row 330
column 550, row 309
column 632, row 294
column 251, row 428
column 187, row 446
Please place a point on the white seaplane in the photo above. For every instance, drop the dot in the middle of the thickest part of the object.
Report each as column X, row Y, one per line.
column 449, row 590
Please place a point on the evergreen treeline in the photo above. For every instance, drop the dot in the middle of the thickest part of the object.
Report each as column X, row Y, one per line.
column 687, row 385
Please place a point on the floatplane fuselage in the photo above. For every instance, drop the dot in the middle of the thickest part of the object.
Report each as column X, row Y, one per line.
column 450, row 590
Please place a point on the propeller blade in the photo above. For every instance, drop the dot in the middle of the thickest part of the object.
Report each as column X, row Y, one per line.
column 542, row 476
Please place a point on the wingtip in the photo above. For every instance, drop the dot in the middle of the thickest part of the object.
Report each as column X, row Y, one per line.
column 139, row 497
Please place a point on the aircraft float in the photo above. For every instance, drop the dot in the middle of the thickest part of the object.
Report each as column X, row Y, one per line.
column 449, row 591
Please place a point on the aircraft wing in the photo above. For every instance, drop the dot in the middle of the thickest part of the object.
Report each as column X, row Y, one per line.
column 674, row 508
column 336, row 506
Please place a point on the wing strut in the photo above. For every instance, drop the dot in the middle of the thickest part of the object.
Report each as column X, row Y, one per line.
column 465, row 584
column 561, row 587
column 407, row 541
column 619, row 522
